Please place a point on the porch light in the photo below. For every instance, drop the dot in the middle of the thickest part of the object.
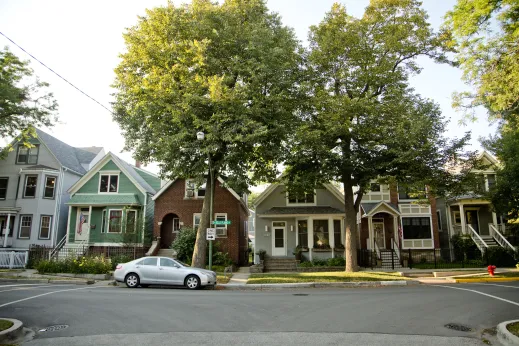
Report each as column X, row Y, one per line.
column 291, row 228
column 200, row 136
column 266, row 228
column 159, row 223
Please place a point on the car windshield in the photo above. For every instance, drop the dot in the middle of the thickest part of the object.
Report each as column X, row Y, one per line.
column 182, row 263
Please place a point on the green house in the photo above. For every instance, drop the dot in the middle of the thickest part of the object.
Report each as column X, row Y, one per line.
column 111, row 205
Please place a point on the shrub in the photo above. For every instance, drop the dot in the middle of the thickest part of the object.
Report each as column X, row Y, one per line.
column 318, row 262
column 306, row 264
column 81, row 265
column 221, row 259
column 184, row 244
column 500, row 257
column 337, row 262
column 115, row 260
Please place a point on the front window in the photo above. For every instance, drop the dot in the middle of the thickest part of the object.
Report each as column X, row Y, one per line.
column 114, row 225
column 416, row 227
column 176, row 225
column 301, row 198
column 302, row 229
column 25, row 227
column 109, row 183
column 196, row 220
column 491, row 179
column 27, row 155
column 50, row 187
column 45, row 223
column 337, row 236
column 131, row 221
column 3, row 187
column 221, row 229
column 192, row 191
column 321, row 234
column 30, row 186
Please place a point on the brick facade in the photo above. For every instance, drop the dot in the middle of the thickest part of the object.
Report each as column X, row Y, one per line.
column 173, row 201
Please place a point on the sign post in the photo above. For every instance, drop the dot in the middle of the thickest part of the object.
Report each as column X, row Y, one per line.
column 211, row 235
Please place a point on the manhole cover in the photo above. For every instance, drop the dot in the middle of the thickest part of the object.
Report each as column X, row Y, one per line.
column 458, row 327
column 300, row 294
column 54, row 328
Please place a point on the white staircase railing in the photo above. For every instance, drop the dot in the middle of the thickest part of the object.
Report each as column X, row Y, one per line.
column 499, row 238
column 377, row 250
column 13, row 259
column 58, row 247
column 480, row 243
column 394, row 247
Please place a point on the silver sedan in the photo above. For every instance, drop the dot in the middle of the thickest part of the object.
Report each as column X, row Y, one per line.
column 162, row 271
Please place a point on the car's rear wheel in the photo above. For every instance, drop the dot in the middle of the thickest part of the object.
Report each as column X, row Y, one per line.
column 192, row 282
column 132, row 280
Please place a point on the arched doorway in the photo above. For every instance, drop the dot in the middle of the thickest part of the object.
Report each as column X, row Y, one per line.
column 169, row 230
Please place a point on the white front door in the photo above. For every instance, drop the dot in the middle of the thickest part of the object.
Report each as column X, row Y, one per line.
column 82, row 224
column 279, row 239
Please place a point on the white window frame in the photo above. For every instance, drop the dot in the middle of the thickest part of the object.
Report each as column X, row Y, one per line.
column 45, row 186
column 108, row 223
column 21, row 225
column 418, row 240
column 104, row 221
column 194, row 218
column 220, row 227
column 454, row 213
column 190, row 185
column 6, row 187
column 26, row 162
column 302, row 204
column 135, row 211
column 109, row 174
column 384, row 194
column 41, row 224
column 25, row 186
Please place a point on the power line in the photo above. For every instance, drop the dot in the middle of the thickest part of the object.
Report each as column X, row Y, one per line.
column 57, row 74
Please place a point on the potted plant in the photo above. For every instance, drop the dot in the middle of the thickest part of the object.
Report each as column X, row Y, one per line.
column 297, row 252
column 261, row 253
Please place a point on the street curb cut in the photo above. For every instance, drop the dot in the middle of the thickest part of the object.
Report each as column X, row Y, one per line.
column 504, row 336
column 49, row 281
column 318, row 285
column 486, row 280
column 13, row 333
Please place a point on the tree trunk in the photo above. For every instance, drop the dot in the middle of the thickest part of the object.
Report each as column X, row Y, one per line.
column 350, row 221
column 200, row 250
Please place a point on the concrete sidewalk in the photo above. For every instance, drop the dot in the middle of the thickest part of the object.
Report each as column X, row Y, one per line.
column 240, row 277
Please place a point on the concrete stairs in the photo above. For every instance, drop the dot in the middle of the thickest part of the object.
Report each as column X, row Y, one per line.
column 489, row 240
column 167, row 253
column 387, row 256
column 280, row 264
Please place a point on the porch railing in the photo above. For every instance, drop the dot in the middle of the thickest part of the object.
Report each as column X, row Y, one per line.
column 394, row 246
column 456, row 229
column 480, row 243
column 500, row 239
column 13, row 259
column 58, row 247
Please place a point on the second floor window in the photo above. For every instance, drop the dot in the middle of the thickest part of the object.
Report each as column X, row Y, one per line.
column 301, row 198
column 109, row 183
column 3, row 187
column 30, row 186
column 192, row 191
column 27, row 155
column 50, row 187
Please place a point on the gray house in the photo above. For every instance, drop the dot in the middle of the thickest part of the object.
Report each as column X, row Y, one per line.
column 33, row 190
column 314, row 221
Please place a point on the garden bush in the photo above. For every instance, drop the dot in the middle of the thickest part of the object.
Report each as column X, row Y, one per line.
column 306, row 264
column 320, row 262
column 184, row 244
column 501, row 257
column 81, row 265
column 337, row 262
column 115, row 260
column 221, row 259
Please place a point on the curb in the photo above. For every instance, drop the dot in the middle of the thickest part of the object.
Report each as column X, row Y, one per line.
column 486, row 280
column 318, row 285
column 50, row 281
column 504, row 336
column 13, row 333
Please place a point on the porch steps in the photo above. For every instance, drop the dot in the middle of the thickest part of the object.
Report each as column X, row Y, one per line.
column 387, row 256
column 280, row 264
column 489, row 240
column 167, row 253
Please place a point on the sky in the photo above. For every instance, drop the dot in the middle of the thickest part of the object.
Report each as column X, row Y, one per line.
column 82, row 40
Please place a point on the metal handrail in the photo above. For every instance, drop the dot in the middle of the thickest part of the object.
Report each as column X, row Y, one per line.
column 475, row 235
column 58, row 246
column 377, row 250
column 500, row 239
column 394, row 246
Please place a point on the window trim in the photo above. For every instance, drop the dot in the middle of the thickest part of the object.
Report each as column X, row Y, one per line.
column 220, row 227
column 27, row 176
column 454, row 212
column 108, row 223
column 36, row 145
column 301, row 204
column 126, row 220
column 53, row 190
column 109, row 174
column 50, row 226
column 20, row 226
column 104, row 220
column 6, row 187
column 188, row 184
column 419, row 217
column 194, row 215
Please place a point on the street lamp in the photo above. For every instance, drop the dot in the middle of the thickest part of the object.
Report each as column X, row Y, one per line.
column 200, row 136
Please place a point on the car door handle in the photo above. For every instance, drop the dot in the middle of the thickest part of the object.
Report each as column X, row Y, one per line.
column 161, row 268
column 137, row 266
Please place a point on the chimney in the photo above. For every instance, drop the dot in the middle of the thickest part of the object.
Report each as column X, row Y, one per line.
column 137, row 164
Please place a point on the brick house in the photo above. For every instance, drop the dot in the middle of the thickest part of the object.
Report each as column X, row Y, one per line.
column 179, row 203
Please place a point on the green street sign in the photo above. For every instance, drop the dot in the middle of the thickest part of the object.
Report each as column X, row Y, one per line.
column 216, row 222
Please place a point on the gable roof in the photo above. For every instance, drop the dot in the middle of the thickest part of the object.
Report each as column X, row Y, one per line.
column 68, row 156
column 334, row 191
column 125, row 167
column 489, row 157
column 371, row 208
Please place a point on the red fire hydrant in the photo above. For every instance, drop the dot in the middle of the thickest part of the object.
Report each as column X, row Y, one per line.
column 491, row 270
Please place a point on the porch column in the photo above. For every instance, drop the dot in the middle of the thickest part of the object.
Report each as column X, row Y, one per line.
column 494, row 219
column 68, row 224
column 310, row 236
column 297, row 231
column 395, row 231
column 462, row 217
column 331, row 234
column 90, row 222
column 450, row 226
column 7, row 229
column 371, row 236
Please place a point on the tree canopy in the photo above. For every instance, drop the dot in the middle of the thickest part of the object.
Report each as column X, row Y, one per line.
column 229, row 70
column 24, row 103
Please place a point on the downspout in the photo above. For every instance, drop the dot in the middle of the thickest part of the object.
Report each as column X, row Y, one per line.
column 144, row 216
column 57, row 209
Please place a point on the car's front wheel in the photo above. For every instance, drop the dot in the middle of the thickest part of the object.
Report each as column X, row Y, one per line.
column 132, row 280
column 193, row 282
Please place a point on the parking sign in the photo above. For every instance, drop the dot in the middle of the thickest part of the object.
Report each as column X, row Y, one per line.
column 211, row 234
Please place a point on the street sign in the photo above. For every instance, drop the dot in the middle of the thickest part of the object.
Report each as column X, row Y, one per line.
column 211, row 234
column 221, row 222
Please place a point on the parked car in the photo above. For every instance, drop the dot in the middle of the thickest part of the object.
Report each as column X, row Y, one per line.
column 162, row 271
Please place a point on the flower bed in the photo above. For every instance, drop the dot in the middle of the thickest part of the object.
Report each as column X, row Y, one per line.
column 82, row 265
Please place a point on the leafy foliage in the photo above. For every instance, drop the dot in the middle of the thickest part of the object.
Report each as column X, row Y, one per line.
column 24, row 103
column 184, row 244
column 81, row 265
column 501, row 257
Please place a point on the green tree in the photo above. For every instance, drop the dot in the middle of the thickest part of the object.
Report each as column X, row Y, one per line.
column 364, row 122
column 24, row 103
column 485, row 34
column 227, row 69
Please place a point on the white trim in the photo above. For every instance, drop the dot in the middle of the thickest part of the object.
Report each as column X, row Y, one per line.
column 298, row 204
column 108, row 223
column 379, row 221
column 415, row 240
column 274, row 238
column 109, row 175
column 104, row 213
column 20, row 226
column 371, row 212
column 45, row 177
column 194, row 215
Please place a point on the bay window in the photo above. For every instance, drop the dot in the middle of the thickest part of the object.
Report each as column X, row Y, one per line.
column 321, row 234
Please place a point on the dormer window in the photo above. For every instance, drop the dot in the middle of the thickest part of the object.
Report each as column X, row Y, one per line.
column 374, row 187
column 109, row 183
column 27, row 155
column 301, row 198
column 194, row 192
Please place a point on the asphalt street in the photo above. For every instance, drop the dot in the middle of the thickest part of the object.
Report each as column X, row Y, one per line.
column 101, row 315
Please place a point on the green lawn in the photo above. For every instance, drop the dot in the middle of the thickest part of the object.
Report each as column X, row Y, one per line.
column 322, row 277
column 513, row 328
column 474, row 264
column 4, row 324
column 222, row 279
